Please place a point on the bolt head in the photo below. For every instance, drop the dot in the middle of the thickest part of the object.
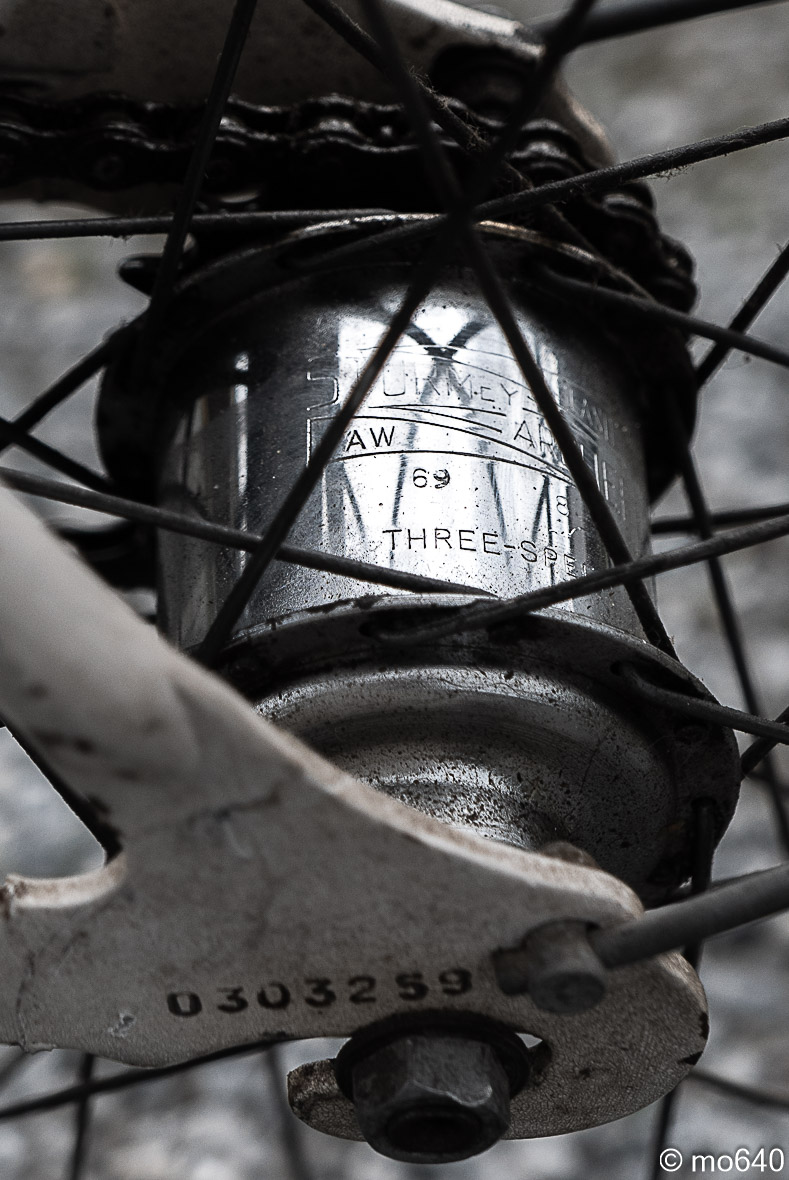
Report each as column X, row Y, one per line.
column 430, row 1099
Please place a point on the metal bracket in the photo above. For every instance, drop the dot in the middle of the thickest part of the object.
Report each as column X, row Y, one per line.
column 101, row 45
column 263, row 892
column 59, row 52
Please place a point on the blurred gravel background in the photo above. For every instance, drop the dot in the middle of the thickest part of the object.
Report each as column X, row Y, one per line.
column 227, row 1121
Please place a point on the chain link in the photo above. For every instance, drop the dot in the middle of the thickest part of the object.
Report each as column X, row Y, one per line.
column 328, row 153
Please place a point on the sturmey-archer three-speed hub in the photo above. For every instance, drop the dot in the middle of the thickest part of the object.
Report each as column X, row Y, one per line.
column 521, row 789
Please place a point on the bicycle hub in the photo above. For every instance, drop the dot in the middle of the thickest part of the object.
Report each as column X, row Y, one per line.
column 524, row 732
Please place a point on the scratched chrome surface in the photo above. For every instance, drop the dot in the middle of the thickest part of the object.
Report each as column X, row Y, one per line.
column 449, row 469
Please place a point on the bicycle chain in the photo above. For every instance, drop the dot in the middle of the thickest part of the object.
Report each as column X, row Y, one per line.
column 324, row 153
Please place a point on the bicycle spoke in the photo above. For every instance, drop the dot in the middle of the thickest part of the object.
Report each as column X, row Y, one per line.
column 703, row 854
column 757, row 777
column 717, row 911
column 561, row 39
column 668, row 315
column 12, row 436
column 602, row 516
column 758, row 749
column 483, row 615
column 654, row 564
column 236, row 601
column 337, row 19
column 723, row 599
column 228, row 220
column 662, row 1128
column 204, row 530
column 645, row 567
column 66, row 385
column 739, row 1090
column 492, row 156
column 132, row 1077
column 413, row 94
column 82, row 1121
column 641, row 168
column 756, row 301
column 459, row 129
column 448, row 191
column 705, row 710
column 599, row 180
column 686, row 524
column 639, row 15
column 437, row 166
column 219, row 93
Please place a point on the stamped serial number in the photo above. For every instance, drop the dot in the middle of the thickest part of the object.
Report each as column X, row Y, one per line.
column 318, row 992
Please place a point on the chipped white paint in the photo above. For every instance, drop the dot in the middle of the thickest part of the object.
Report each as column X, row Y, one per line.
column 258, row 885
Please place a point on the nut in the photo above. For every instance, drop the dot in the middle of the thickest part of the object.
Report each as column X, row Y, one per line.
column 428, row 1098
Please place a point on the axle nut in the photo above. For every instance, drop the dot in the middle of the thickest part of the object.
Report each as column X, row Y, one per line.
column 431, row 1099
